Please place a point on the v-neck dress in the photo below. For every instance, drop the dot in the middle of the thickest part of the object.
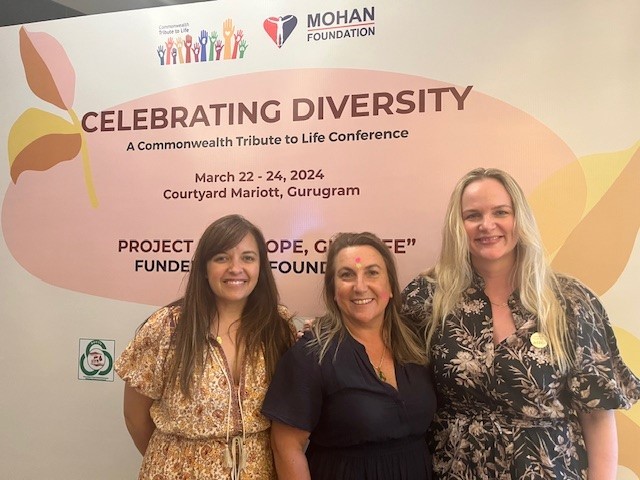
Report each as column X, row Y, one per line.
column 361, row 427
column 505, row 410
column 190, row 439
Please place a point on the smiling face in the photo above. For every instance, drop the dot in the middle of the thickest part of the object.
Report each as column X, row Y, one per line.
column 489, row 221
column 362, row 288
column 233, row 274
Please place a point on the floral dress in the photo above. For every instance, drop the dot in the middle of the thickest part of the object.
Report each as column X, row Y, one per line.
column 190, row 439
column 505, row 411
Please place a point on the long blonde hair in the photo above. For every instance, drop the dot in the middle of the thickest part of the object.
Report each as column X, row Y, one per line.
column 396, row 333
column 538, row 285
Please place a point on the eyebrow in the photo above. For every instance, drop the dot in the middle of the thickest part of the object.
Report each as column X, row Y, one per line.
column 505, row 205
column 244, row 252
column 365, row 267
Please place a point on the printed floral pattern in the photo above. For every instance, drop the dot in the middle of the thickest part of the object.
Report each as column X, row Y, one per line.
column 190, row 438
column 505, row 411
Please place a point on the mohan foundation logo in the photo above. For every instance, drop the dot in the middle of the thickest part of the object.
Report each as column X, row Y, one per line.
column 341, row 24
column 280, row 28
column 96, row 359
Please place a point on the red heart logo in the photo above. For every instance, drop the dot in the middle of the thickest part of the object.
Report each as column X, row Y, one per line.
column 279, row 28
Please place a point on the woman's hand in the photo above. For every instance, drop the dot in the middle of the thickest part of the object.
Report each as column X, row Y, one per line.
column 306, row 326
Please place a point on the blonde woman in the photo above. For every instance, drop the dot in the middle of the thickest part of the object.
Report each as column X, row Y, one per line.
column 525, row 361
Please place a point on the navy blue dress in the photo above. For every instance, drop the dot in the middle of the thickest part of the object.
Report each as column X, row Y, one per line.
column 361, row 428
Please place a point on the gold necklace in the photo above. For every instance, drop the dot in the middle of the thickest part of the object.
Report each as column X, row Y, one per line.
column 379, row 371
column 218, row 337
column 506, row 304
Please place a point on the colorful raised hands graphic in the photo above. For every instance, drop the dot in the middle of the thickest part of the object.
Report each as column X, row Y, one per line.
column 228, row 46
column 213, row 36
column 227, row 33
column 204, row 37
column 161, row 53
column 196, row 51
column 243, row 47
column 180, row 46
column 219, row 47
column 237, row 38
column 187, row 44
column 169, row 44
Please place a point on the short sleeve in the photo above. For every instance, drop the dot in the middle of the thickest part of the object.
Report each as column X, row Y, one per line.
column 600, row 379
column 414, row 297
column 142, row 363
column 295, row 393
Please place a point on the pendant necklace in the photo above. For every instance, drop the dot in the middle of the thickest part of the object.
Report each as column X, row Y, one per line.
column 379, row 371
column 218, row 337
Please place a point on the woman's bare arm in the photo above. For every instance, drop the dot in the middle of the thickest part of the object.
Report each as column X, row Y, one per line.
column 137, row 417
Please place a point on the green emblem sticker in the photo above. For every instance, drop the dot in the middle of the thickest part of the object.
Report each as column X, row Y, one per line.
column 96, row 359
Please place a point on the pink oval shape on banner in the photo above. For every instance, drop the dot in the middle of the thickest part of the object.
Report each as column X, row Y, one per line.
column 403, row 184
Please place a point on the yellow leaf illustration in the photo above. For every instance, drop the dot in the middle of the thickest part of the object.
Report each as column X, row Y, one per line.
column 598, row 248
column 40, row 140
column 567, row 187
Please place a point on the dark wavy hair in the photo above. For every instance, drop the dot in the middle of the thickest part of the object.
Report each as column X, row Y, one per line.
column 262, row 329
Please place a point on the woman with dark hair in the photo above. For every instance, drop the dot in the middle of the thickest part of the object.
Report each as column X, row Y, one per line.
column 355, row 387
column 197, row 370
column 526, row 365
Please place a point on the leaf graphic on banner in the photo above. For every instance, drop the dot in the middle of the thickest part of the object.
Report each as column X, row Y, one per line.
column 598, row 247
column 49, row 72
column 629, row 420
column 38, row 140
column 567, row 187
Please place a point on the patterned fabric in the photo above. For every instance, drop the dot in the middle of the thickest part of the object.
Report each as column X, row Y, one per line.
column 505, row 411
column 191, row 434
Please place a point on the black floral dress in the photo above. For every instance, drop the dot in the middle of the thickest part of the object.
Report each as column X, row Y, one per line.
column 505, row 411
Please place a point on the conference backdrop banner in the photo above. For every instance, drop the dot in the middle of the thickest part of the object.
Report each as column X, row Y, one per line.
column 126, row 134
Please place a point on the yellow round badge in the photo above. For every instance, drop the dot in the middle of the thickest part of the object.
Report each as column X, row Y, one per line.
column 538, row 340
